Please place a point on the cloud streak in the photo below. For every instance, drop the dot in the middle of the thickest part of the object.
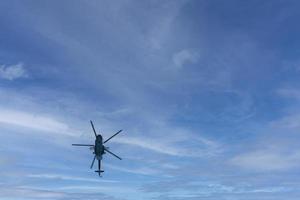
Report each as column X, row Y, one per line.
column 204, row 147
column 34, row 121
column 267, row 160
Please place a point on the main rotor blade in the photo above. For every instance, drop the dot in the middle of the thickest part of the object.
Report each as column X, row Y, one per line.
column 93, row 128
column 112, row 153
column 93, row 162
column 112, row 136
column 83, row 145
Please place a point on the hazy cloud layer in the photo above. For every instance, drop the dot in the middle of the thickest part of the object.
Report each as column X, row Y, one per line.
column 206, row 93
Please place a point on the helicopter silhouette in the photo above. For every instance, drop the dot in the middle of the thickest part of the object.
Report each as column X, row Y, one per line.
column 99, row 148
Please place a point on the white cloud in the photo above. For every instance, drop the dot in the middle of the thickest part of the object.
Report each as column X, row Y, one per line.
column 12, row 72
column 34, row 121
column 184, row 56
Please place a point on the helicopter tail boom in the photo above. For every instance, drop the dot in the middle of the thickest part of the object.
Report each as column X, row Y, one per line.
column 99, row 171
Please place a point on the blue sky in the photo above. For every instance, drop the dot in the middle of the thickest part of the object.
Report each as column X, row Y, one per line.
column 207, row 93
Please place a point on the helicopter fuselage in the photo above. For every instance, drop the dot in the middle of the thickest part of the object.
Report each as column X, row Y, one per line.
column 99, row 148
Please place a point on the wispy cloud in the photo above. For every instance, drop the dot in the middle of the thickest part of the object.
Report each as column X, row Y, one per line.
column 12, row 72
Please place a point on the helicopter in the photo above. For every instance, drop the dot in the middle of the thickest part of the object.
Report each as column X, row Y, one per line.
column 99, row 149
